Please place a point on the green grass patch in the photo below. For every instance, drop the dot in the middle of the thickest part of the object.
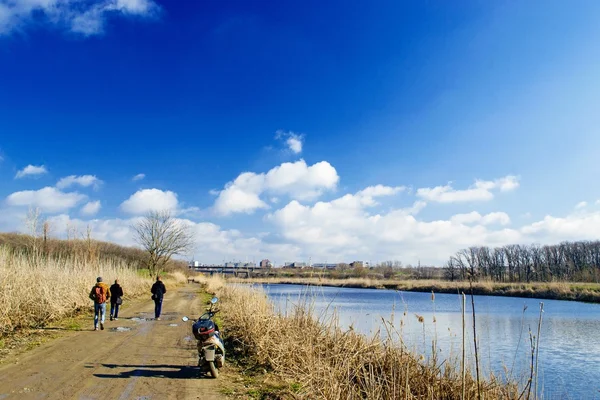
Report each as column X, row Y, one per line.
column 296, row 387
column 205, row 298
column 73, row 325
column 2, row 344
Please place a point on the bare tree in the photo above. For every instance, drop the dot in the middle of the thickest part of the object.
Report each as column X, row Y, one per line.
column 46, row 228
column 162, row 236
column 451, row 270
column 32, row 221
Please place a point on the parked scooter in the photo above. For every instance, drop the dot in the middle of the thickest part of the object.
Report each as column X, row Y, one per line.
column 211, row 352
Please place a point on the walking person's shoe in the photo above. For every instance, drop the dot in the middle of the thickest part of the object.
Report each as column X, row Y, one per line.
column 95, row 328
column 158, row 319
column 111, row 318
column 101, row 326
column 116, row 319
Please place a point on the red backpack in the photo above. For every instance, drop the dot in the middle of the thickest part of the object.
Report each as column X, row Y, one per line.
column 100, row 294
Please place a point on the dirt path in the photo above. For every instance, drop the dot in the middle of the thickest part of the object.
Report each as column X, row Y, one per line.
column 151, row 360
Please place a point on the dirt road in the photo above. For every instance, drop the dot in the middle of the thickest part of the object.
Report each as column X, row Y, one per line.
column 133, row 358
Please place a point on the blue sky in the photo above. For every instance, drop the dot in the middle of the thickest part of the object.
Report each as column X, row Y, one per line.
column 406, row 95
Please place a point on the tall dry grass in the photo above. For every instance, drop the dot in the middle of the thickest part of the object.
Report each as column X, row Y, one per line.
column 35, row 290
column 332, row 363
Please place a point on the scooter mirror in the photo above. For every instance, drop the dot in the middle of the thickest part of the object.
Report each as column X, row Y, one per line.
column 185, row 319
column 214, row 300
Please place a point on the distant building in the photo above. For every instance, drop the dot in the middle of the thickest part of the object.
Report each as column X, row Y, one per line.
column 295, row 264
column 298, row 265
column 324, row 266
column 266, row 263
column 355, row 264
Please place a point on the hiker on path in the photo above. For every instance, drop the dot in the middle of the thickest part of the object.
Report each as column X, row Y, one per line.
column 158, row 291
column 99, row 293
column 116, row 299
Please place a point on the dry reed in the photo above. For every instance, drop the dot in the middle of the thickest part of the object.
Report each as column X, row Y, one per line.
column 36, row 290
column 332, row 363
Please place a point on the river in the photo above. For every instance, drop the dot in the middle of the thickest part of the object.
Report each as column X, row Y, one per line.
column 569, row 350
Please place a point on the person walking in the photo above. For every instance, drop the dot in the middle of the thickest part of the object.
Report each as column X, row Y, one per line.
column 116, row 299
column 158, row 291
column 99, row 294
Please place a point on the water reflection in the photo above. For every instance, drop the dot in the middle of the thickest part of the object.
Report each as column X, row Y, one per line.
column 569, row 354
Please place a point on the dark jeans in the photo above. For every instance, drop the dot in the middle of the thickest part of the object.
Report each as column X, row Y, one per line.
column 114, row 310
column 157, row 307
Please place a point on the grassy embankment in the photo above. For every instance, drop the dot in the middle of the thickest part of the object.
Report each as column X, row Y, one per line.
column 37, row 289
column 588, row 292
column 315, row 358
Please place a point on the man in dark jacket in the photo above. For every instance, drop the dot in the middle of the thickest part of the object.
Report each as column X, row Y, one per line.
column 158, row 291
column 116, row 299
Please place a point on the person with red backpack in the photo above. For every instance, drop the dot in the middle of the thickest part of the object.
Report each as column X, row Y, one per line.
column 100, row 293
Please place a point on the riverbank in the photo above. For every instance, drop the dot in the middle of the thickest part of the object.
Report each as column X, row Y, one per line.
column 315, row 358
column 573, row 291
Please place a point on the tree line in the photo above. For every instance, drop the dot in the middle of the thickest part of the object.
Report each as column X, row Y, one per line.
column 568, row 261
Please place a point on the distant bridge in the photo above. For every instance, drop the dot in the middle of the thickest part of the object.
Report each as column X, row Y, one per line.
column 235, row 271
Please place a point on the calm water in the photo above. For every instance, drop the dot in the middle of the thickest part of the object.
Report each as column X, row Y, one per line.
column 569, row 354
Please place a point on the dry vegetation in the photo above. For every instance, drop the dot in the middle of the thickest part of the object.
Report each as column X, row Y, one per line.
column 37, row 289
column 320, row 360
column 588, row 292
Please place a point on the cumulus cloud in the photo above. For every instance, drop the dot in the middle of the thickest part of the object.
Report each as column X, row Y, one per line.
column 500, row 218
column 479, row 191
column 212, row 242
column 147, row 200
column 297, row 180
column 581, row 225
column 82, row 17
column 31, row 171
column 580, row 205
column 293, row 141
column 91, row 208
column 83, row 180
column 138, row 177
column 48, row 199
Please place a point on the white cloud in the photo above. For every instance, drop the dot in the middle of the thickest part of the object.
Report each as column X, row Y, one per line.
column 48, row 199
column 500, row 218
column 578, row 226
column 351, row 226
column 212, row 243
column 147, row 200
column 83, row 180
column 346, row 228
column 293, row 141
column 31, row 170
column 83, row 17
column 91, row 208
column 297, row 180
column 241, row 195
column 138, row 177
column 580, row 205
column 479, row 191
